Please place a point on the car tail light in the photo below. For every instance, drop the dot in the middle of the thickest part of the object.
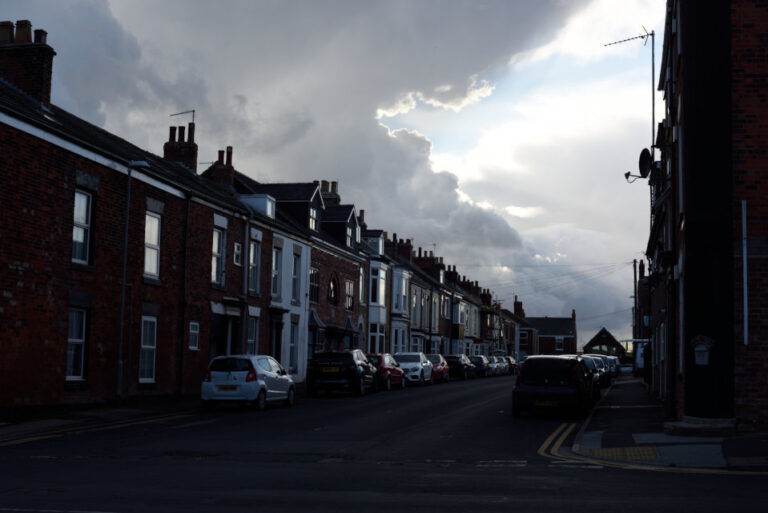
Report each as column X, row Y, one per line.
column 251, row 376
column 208, row 376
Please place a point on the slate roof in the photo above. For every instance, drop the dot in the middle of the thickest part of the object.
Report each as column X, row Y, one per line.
column 337, row 213
column 552, row 326
column 69, row 127
column 282, row 191
column 603, row 337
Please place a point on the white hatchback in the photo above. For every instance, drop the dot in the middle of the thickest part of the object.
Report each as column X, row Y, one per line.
column 416, row 367
column 254, row 378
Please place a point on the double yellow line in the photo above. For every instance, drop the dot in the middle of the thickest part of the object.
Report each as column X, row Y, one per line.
column 551, row 446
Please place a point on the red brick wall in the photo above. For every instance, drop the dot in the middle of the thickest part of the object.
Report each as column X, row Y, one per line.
column 749, row 66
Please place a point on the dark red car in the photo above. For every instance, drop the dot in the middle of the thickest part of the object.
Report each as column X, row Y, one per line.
column 388, row 371
column 439, row 368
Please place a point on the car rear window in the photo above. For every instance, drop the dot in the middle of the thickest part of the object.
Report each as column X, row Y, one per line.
column 374, row 360
column 408, row 358
column 230, row 365
column 434, row 358
column 476, row 359
column 550, row 371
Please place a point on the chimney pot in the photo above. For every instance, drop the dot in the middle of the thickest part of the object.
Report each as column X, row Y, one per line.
column 41, row 36
column 419, row 252
column 229, row 155
column 221, row 157
column 23, row 31
column 181, row 134
column 324, row 185
column 191, row 132
column 394, row 237
column 6, row 32
column 172, row 134
column 335, row 187
column 362, row 215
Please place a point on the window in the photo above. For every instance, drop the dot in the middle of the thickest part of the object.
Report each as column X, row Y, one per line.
column 349, row 236
column 276, row 256
column 333, row 292
column 376, row 338
column 152, row 244
column 357, row 234
column 313, row 219
column 253, row 335
column 558, row 343
column 238, row 256
column 374, row 285
column 361, row 286
column 404, row 293
column 314, row 285
column 523, row 338
column 349, row 298
column 217, row 257
column 254, row 264
column 81, row 228
column 75, row 344
column 396, row 286
column 194, row 335
column 296, row 279
column 293, row 355
column 148, row 346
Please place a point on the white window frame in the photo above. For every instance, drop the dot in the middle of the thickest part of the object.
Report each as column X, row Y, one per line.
column 313, row 219
column 84, row 225
column 217, row 257
column 349, row 295
column 251, row 342
column 237, row 257
column 375, row 286
column 293, row 348
column 148, row 346
column 254, row 266
column 77, row 340
column 194, row 336
column 296, row 279
column 362, row 286
column 152, row 247
column 277, row 254
column 349, row 236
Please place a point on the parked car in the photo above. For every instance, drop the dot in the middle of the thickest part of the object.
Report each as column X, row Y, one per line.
column 258, row 379
column 615, row 365
column 440, row 368
column 388, row 371
column 596, row 375
column 555, row 383
column 512, row 365
column 460, row 366
column 503, row 365
column 341, row 370
column 482, row 365
column 605, row 377
column 416, row 366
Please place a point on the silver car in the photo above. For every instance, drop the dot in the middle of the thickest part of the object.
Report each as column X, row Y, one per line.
column 257, row 379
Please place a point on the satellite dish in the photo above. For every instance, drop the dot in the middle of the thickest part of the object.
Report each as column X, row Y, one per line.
column 645, row 162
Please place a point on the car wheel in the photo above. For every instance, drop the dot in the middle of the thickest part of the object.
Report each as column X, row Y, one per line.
column 290, row 399
column 261, row 401
column 374, row 384
column 421, row 379
column 446, row 377
column 388, row 384
column 403, row 382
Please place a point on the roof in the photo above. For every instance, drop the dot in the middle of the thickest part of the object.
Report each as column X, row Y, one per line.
column 603, row 337
column 337, row 213
column 552, row 326
column 284, row 191
column 62, row 124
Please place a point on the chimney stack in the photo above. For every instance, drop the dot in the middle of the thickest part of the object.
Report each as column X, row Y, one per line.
column 26, row 64
column 221, row 157
column 222, row 170
column 179, row 150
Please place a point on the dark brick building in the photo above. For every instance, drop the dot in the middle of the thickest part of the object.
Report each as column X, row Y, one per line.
column 708, row 247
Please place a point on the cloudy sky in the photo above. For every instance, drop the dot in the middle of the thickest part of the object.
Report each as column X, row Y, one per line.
column 495, row 133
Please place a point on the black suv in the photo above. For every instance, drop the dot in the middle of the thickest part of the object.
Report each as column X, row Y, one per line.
column 459, row 366
column 556, row 383
column 349, row 370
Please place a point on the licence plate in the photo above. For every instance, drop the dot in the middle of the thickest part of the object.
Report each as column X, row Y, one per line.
column 227, row 388
column 546, row 403
column 330, row 369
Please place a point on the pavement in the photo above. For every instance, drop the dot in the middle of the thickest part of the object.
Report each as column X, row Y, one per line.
column 627, row 428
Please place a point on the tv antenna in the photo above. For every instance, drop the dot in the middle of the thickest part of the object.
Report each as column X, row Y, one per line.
column 186, row 112
column 644, row 37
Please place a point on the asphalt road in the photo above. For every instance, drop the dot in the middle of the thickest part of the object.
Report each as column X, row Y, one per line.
column 447, row 448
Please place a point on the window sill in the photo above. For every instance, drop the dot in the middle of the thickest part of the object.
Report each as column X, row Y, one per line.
column 147, row 385
column 253, row 293
column 151, row 280
column 80, row 266
column 195, row 349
